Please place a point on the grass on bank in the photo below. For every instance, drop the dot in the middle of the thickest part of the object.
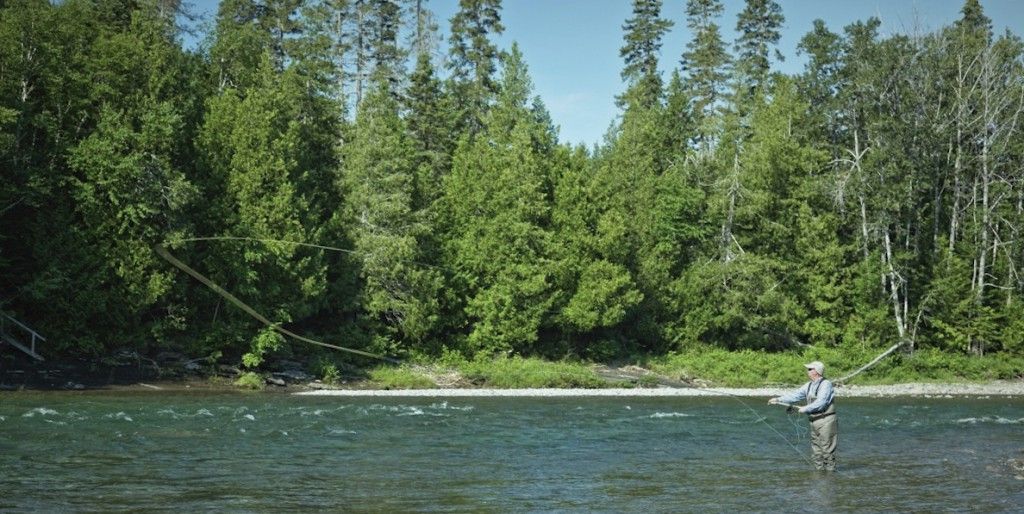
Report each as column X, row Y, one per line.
column 702, row 366
column 499, row 373
column 749, row 368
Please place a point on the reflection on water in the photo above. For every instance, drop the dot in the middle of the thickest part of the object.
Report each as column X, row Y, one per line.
column 235, row 452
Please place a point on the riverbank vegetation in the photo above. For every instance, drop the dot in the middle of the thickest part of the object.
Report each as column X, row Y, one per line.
column 348, row 177
column 706, row 367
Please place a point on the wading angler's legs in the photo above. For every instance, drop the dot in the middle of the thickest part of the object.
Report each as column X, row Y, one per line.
column 824, row 441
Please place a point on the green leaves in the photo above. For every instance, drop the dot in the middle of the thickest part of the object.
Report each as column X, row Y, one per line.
column 401, row 290
column 604, row 295
column 643, row 33
column 875, row 196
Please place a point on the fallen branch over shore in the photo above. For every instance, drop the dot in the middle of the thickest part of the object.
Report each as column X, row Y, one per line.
column 874, row 361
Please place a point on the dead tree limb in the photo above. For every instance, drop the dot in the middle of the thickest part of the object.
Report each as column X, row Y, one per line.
column 874, row 361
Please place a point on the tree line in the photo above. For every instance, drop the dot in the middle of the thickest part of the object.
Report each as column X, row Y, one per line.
column 874, row 198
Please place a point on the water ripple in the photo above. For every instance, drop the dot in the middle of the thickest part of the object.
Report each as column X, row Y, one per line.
column 43, row 411
column 119, row 415
column 661, row 415
column 999, row 420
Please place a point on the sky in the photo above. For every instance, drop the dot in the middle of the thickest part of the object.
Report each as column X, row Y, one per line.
column 571, row 47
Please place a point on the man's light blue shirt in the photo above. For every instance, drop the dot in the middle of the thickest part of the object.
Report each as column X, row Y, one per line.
column 822, row 400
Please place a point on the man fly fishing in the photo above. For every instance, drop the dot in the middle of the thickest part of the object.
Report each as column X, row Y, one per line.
column 821, row 412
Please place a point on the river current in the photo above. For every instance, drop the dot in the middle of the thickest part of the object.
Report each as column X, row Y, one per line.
column 225, row 452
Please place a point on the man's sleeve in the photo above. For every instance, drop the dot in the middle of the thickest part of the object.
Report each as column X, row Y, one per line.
column 824, row 398
column 795, row 396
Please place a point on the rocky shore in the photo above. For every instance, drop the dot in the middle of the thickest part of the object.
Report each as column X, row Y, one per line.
column 174, row 372
column 1013, row 388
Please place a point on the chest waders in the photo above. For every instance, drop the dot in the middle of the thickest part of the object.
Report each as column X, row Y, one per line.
column 824, row 432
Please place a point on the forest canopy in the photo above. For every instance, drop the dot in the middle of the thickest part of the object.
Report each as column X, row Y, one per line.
column 875, row 198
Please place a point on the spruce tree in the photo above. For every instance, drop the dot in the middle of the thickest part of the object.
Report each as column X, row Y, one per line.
column 473, row 58
column 386, row 54
column 430, row 123
column 758, row 25
column 705, row 61
column 820, row 82
column 643, row 33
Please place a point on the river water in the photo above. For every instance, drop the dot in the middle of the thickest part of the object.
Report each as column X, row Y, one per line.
column 111, row 452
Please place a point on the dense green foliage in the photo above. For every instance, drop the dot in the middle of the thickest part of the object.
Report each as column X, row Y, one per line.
column 876, row 198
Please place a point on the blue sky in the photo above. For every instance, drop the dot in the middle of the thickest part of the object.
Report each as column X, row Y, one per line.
column 572, row 46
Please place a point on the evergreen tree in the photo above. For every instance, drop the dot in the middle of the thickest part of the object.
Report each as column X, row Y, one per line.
column 331, row 47
column 430, row 123
column 820, row 83
column 279, row 19
column 643, row 33
column 401, row 292
column 704, row 62
column 253, row 146
column 386, row 55
column 473, row 58
column 753, row 299
column 973, row 23
column 94, row 100
column 598, row 293
column 424, row 37
column 680, row 125
column 498, row 201
column 758, row 27
column 239, row 43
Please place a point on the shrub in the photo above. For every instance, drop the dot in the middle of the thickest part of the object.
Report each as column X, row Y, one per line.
column 388, row 377
column 518, row 373
column 250, row 380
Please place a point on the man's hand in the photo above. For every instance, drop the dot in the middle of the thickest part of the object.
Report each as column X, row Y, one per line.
column 773, row 401
column 802, row 410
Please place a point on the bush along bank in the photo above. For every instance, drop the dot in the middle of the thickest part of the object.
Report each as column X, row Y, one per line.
column 696, row 367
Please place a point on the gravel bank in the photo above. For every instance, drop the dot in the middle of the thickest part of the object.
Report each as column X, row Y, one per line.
column 1013, row 388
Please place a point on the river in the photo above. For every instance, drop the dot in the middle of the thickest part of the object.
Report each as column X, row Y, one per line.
column 231, row 452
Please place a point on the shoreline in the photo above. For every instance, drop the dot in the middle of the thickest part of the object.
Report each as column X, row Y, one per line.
column 1010, row 389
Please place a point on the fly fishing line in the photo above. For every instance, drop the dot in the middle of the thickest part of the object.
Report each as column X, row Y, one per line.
column 162, row 252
